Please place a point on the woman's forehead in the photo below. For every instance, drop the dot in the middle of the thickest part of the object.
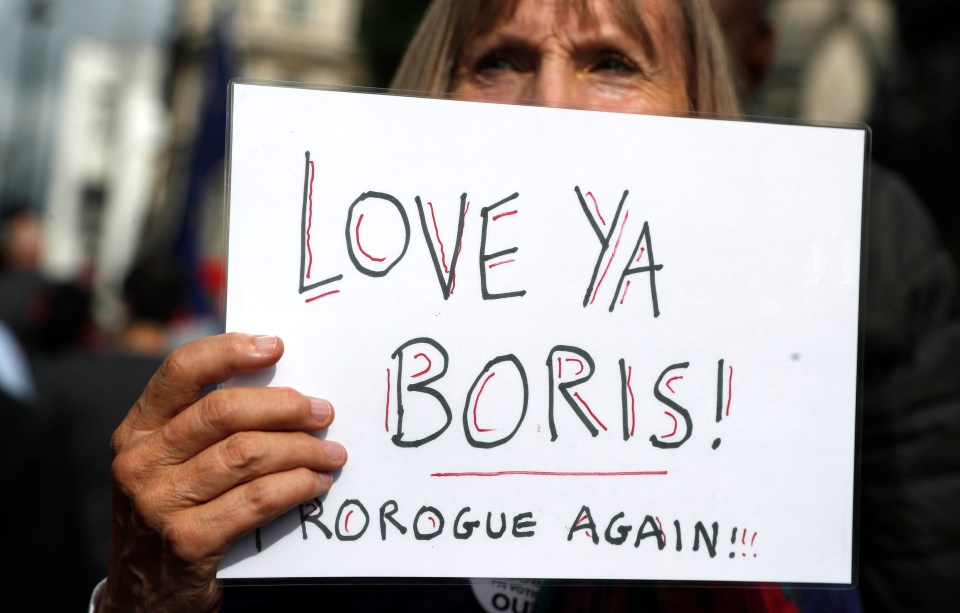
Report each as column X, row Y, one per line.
column 634, row 17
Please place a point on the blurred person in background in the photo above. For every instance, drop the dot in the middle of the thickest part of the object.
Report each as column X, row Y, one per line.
column 45, row 315
column 21, row 234
column 910, row 470
column 91, row 389
column 41, row 530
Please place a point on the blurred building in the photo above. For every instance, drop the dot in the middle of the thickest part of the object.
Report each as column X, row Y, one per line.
column 830, row 56
column 306, row 41
column 101, row 106
column 81, row 126
column 111, row 129
column 301, row 41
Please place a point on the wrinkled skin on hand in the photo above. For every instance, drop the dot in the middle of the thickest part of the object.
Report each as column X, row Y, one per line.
column 193, row 472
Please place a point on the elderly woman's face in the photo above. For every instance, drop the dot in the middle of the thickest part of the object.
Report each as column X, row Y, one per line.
column 545, row 54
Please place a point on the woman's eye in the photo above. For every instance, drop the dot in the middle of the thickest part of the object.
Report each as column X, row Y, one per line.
column 613, row 62
column 496, row 61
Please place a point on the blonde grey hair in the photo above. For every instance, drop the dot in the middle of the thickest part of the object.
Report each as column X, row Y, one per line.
column 429, row 64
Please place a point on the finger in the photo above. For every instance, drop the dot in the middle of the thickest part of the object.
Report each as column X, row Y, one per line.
column 189, row 369
column 208, row 529
column 225, row 412
column 247, row 456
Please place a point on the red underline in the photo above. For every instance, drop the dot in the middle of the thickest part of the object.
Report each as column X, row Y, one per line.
column 554, row 473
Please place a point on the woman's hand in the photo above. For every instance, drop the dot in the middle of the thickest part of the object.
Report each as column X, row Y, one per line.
column 194, row 472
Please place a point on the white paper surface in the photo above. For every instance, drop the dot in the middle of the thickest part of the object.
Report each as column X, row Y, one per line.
column 754, row 230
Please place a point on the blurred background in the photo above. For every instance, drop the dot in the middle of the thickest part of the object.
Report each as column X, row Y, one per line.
column 112, row 128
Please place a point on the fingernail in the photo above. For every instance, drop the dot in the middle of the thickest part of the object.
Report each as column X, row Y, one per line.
column 325, row 478
column 321, row 409
column 334, row 450
column 265, row 344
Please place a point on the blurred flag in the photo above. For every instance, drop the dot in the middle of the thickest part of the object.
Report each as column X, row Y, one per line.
column 209, row 149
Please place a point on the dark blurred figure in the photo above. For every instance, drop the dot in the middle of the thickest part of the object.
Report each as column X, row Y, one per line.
column 152, row 292
column 94, row 389
column 41, row 526
column 46, row 315
column 910, row 454
column 751, row 37
column 41, row 529
column 21, row 237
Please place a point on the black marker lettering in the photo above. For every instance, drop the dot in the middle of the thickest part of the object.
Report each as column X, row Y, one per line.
column 583, row 375
column 503, row 526
column 711, row 544
column 306, row 223
column 652, row 267
column 381, row 268
column 446, row 284
column 522, row 522
column 625, row 403
column 485, row 257
column 588, row 525
column 654, row 531
column 688, row 423
column 421, row 387
column 470, row 408
column 604, row 240
column 623, row 531
column 438, row 528
column 386, row 515
column 312, row 518
column 468, row 526
column 351, row 535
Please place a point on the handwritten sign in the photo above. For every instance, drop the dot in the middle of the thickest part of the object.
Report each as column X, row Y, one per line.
column 560, row 344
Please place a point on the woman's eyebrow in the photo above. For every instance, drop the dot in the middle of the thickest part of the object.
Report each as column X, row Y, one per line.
column 616, row 34
column 499, row 40
column 508, row 38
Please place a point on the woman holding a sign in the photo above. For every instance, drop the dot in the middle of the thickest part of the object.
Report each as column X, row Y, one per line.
column 194, row 471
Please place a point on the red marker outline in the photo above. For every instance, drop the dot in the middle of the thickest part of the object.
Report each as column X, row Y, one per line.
column 671, row 380
column 587, row 407
column 633, row 415
column 310, row 222
column 425, row 370
column 596, row 208
column 554, row 473
column 496, row 217
column 359, row 246
column 612, row 255
column 582, row 519
column 623, row 296
column 330, row 293
column 346, row 521
column 463, row 225
column 729, row 392
column 436, row 232
column 662, row 535
column 495, row 264
column 640, row 255
column 476, row 401
column 670, row 415
column 579, row 363
column 386, row 417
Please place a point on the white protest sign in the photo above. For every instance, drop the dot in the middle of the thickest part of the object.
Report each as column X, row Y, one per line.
column 559, row 343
